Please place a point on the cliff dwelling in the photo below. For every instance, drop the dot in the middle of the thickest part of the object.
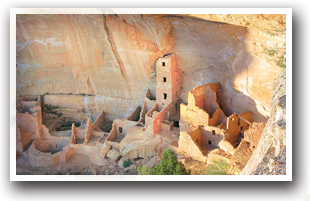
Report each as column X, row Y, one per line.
column 202, row 127
column 149, row 89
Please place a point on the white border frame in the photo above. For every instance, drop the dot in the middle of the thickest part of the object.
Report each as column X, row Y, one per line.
column 15, row 11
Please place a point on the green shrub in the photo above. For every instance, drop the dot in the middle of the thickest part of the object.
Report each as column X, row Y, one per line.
column 217, row 168
column 127, row 163
column 169, row 165
column 142, row 170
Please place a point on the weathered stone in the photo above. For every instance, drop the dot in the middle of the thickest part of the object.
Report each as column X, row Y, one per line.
column 121, row 162
column 131, row 167
column 114, row 155
column 105, row 149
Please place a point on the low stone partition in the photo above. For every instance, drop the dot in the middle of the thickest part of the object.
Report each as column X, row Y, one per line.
column 38, row 158
column 167, row 126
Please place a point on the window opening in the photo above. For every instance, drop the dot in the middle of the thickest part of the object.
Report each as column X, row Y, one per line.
column 165, row 96
column 120, row 129
column 165, row 79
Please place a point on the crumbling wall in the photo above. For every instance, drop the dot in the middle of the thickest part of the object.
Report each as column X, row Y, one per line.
column 150, row 115
column 210, row 97
column 38, row 158
column 69, row 153
column 73, row 135
column 119, row 129
column 161, row 116
column 42, row 145
column 245, row 120
column 167, row 126
column 135, row 115
column 211, row 136
column 193, row 116
column 25, row 137
column 189, row 144
column 214, row 120
column 253, row 134
column 88, row 131
column 143, row 113
column 99, row 120
column 112, row 134
column 242, row 154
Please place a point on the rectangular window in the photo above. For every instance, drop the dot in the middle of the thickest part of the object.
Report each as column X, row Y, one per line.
column 213, row 132
column 120, row 129
column 164, row 79
column 165, row 96
column 164, row 64
column 209, row 142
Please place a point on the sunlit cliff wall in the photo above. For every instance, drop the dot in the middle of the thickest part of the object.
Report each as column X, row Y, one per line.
column 110, row 59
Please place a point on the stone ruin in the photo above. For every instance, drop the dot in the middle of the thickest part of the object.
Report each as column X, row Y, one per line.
column 199, row 130
column 207, row 134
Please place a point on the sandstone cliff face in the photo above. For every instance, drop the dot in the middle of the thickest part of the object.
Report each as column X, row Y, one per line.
column 270, row 154
column 111, row 58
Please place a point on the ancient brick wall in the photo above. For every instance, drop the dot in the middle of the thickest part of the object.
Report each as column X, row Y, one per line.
column 143, row 113
column 168, row 81
column 28, row 122
column 150, row 115
column 194, row 116
column 253, row 134
column 167, row 126
column 69, row 154
column 245, row 120
column 190, row 146
column 42, row 145
column 242, row 154
column 210, row 97
column 73, row 135
column 112, row 134
column 233, row 128
column 211, row 136
column 214, row 120
column 25, row 138
column 161, row 116
column 88, row 131
column 99, row 120
column 135, row 115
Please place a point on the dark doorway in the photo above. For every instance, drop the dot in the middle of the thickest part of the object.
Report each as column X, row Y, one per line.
column 209, row 142
column 120, row 130
column 164, row 64
column 165, row 96
column 213, row 132
column 164, row 79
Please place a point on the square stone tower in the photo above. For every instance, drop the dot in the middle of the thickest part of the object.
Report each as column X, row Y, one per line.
column 168, row 81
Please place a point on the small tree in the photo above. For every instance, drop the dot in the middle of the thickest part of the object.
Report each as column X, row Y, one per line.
column 169, row 165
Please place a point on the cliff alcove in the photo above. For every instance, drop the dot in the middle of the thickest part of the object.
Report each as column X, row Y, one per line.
column 83, row 66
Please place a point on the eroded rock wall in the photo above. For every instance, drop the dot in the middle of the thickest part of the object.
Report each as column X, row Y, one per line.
column 270, row 155
column 111, row 58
